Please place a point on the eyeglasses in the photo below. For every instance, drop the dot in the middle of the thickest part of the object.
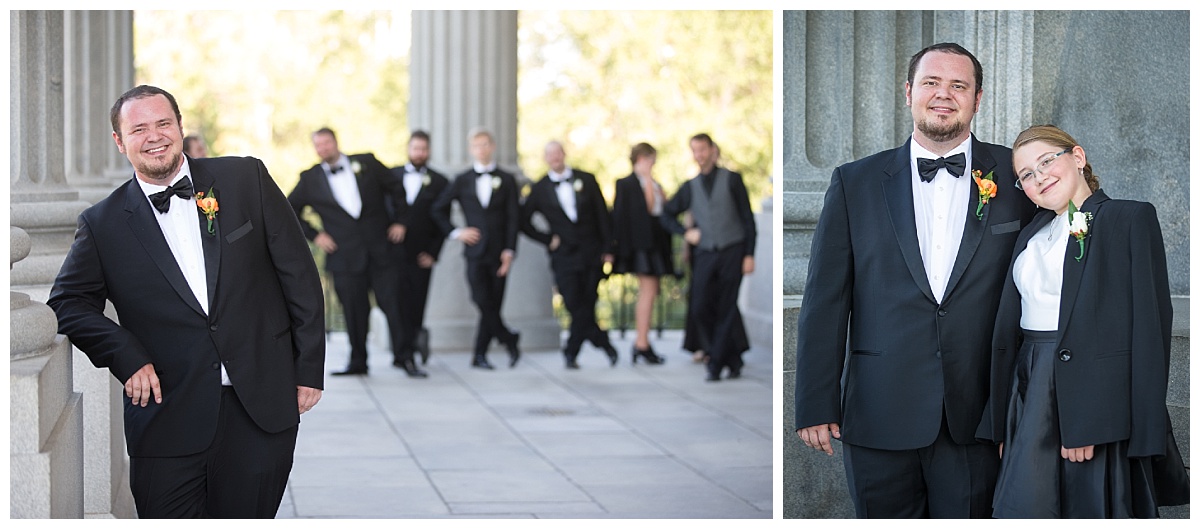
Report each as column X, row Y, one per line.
column 1041, row 168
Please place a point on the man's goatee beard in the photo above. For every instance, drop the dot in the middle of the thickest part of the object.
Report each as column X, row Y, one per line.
column 941, row 133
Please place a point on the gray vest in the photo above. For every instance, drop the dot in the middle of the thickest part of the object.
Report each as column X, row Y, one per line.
column 716, row 215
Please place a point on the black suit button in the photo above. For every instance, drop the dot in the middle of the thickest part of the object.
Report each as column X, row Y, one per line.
column 942, row 312
column 939, row 354
column 1064, row 355
column 213, row 327
column 216, row 365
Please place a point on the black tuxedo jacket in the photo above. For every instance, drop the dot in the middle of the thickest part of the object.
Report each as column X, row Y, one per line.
column 633, row 227
column 266, row 313
column 867, row 295
column 582, row 242
column 359, row 241
column 422, row 233
column 498, row 223
column 1114, row 323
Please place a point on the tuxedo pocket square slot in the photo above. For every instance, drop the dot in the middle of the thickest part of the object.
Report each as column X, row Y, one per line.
column 240, row 232
column 1007, row 227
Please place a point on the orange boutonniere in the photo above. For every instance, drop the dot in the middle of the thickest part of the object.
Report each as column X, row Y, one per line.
column 987, row 189
column 209, row 206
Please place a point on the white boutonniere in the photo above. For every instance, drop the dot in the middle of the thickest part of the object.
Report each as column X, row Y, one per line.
column 578, row 185
column 495, row 182
column 1080, row 223
column 425, row 180
column 355, row 167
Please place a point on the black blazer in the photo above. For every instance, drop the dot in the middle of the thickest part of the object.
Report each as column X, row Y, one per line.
column 359, row 241
column 266, row 312
column 498, row 224
column 1114, row 322
column 633, row 228
column 422, row 233
column 581, row 243
column 867, row 294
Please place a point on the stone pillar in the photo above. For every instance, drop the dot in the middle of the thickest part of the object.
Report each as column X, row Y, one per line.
column 98, row 59
column 46, row 206
column 463, row 74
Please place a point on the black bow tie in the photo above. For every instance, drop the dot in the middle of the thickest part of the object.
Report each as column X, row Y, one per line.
column 162, row 199
column 928, row 168
column 333, row 169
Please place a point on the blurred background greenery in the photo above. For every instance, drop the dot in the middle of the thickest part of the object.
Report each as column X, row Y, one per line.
column 257, row 83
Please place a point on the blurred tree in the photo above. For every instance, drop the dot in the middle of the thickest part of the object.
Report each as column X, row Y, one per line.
column 602, row 81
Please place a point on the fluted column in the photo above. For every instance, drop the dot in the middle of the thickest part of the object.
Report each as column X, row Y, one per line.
column 463, row 74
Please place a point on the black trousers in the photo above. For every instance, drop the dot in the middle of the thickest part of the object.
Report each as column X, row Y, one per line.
column 242, row 474
column 353, row 291
column 578, row 290
column 487, row 292
column 712, row 303
column 942, row 480
column 413, row 295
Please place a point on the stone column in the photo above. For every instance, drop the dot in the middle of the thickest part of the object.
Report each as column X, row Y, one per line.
column 463, row 74
column 50, row 132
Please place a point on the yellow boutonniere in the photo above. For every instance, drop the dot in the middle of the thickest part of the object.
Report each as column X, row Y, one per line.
column 987, row 189
column 209, row 206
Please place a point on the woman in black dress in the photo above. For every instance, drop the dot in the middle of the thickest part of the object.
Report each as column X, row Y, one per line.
column 1081, row 348
column 641, row 246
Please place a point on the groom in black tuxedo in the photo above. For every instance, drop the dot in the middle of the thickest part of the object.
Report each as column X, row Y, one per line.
column 221, row 341
column 489, row 200
column 360, row 237
column 580, row 231
column 907, row 266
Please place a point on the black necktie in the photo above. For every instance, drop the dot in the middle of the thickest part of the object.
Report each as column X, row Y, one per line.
column 333, row 169
column 928, row 168
column 162, row 199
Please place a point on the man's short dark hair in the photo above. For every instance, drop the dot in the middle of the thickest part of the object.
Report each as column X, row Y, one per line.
column 326, row 130
column 704, row 137
column 418, row 135
column 946, row 47
column 141, row 92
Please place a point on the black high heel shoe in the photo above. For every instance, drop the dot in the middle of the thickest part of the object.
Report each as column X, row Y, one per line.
column 647, row 354
column 612, row 355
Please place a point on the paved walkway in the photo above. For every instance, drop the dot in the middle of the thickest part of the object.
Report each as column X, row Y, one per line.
column 537, row 441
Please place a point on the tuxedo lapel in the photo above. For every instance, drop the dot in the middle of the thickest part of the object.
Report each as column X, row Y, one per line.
column 1072, row 269
column 981, row 160
column 211, row 242
column 898, row 195
column 145, row 228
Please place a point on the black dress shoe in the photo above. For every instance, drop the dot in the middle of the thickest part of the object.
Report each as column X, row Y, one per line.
column 481, row 362
column 514, row 353
column 423, row 345
column 413, row 372
column 647, row 354
column 735, row 373
column 713, row 377
column 351, row 371
column 572, row 364
column 612, row 355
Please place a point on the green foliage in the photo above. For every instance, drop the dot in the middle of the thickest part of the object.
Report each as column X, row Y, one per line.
column 602, row 81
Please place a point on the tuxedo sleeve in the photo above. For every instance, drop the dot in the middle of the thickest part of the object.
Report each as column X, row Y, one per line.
column 512, row 214
column 298, row 199
column 619, row 221
column 1151, row 319
column 682, row 201
column 821, row 330
column 532, row 205
column 440, row 211
column 741, row 200
column 78, row 299
column 297, row 273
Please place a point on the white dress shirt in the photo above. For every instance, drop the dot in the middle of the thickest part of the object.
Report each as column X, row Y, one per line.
column 412, row 182
column 483, row 183
column 180, row 226
column 657, row 206
column 566, row 193
column 345, row 187
column 940, row 208
column 1038, row 275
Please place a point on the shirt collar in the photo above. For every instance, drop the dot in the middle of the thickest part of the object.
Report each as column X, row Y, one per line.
column 409, row 168
column 484, row 169
column 561, row 177
column 917, row 151
column 344, row 162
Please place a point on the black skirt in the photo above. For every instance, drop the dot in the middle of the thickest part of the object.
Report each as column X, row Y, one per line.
column 654, row 261
column 1035, row 481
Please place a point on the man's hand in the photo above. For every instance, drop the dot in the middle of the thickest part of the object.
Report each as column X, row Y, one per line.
column 748, row 265
column 424, row 260
column 692, row 236
column 396, row 233
column 325, row 242
column 142, row 384
column 818, row 436
column 554, row 242
column 307, row 397
column 506, row 258
column 1078, row 455
column 469, row 235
